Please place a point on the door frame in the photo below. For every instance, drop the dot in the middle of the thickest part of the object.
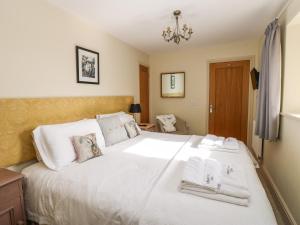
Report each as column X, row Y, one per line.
column 141, row 66
column 251, row 93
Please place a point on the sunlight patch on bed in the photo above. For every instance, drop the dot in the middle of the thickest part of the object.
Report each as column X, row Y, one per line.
column 155, row 148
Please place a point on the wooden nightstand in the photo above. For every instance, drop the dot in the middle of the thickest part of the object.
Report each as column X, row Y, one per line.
column 11, row 194
column 148, row 127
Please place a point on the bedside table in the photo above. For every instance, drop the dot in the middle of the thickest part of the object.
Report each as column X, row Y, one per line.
column 12, row 210
column 148, row 127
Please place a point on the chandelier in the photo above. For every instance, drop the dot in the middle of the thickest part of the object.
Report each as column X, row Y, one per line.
column 177, row 34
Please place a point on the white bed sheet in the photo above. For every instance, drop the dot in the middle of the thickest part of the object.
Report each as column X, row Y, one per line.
column 111, row 189
column 169, row 206
column 136, row 183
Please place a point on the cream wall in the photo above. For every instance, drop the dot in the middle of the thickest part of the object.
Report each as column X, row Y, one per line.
column 194, row 62
column 281, row 159
column 37, row 54
column 291, row 91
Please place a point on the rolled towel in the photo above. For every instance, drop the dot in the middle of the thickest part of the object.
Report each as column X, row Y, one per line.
column 212, row 140
column 220, row 141
column 231, row 144
column 215, row 143
column 209, row 139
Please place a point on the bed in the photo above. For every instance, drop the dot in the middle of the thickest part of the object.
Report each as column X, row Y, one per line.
column 136, row 182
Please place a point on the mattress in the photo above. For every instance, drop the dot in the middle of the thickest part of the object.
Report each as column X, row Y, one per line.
column 136, row 183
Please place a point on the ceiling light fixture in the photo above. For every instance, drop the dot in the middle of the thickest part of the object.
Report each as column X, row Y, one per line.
column 176, row 34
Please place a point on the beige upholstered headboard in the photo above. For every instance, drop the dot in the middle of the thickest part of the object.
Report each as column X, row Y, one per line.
column 18, row 117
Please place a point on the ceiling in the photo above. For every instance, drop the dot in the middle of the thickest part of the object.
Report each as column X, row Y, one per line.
column 140, row 22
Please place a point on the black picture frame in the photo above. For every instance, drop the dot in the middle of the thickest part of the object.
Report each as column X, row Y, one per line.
column 92, row 75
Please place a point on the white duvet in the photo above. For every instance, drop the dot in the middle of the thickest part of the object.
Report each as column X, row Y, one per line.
column 136, row 183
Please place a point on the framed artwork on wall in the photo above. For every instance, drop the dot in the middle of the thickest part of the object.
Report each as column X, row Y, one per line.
column 172, row 85
column 87, row 66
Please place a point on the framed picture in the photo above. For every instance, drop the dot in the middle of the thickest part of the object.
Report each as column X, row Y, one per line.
column 173, row 85
column 87, row 64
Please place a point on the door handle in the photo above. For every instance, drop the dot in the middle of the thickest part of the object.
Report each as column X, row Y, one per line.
column 211, row 108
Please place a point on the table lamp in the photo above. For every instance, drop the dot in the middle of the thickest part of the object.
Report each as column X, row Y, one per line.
column 135, row 108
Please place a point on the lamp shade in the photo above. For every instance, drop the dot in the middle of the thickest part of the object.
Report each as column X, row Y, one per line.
column 135, row 108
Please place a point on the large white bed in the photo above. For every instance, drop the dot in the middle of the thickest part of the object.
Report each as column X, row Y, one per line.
column 136, row 182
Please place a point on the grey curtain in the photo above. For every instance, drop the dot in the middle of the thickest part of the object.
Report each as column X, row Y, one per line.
column 269, row 91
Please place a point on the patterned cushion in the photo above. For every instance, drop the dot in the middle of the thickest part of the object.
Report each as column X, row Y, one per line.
column 86, row 147
column 113, row 130
column 131, row 128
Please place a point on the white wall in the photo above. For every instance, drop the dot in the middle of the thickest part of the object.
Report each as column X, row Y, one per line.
column 37, row 54
column 194, row 62
column 281, row 158
column 291, row 91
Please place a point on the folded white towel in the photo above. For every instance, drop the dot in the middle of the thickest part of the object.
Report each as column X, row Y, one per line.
column 210, row 177
column 202, row 173
column 219, row 197
column 234, row 175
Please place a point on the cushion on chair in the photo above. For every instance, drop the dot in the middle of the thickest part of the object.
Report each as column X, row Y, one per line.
column 181, row 127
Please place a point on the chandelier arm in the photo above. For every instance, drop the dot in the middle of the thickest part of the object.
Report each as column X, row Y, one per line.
column 173, row 36
column 185, row 37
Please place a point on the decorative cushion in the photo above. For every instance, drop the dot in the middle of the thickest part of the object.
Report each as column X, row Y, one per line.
column 113, row 130
column 131, row 128
column 138, row 129
column 54, row 142
column 86, row 147
column 167, row 122
column 125, row 118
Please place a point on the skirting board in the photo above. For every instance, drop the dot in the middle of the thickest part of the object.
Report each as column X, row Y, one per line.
column 278, row 197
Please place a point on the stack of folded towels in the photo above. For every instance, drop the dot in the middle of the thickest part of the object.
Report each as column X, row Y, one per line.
column 211, row 179
column 220, row 143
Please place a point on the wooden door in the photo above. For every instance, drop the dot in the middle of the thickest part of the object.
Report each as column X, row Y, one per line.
column 144, row 93
column 228, row 99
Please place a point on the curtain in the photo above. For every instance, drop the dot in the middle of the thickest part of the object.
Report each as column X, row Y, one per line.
column 269, row 90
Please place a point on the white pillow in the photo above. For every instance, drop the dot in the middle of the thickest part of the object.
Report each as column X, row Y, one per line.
column 56, row 149
column 100, row 116
column 38, row 139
